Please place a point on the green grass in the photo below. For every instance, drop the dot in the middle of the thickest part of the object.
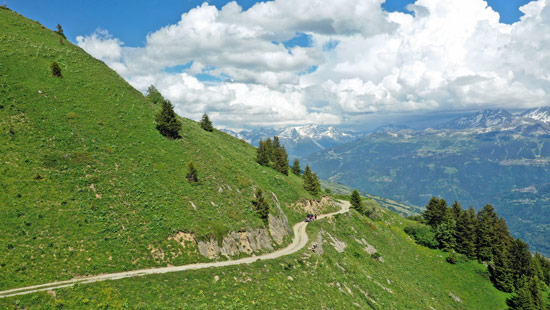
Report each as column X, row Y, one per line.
column 89, row 185
column 410, row 277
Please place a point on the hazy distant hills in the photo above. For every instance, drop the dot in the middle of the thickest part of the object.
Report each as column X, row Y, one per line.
column 300, row 141
column 491, row 156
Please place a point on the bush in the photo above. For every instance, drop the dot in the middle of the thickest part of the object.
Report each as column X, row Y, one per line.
column 452, row 259
column 167, row 123
column 56, row 69
column 423, row 235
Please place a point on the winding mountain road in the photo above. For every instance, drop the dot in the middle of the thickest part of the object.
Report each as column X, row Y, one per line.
column 300, row 240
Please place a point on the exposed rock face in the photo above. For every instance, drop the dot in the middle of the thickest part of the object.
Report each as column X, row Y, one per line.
column 278, row 225
column 235, row 243
column 317, row 246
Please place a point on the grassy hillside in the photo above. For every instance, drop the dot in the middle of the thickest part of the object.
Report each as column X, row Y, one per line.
column 407, row 276
column 88, row 185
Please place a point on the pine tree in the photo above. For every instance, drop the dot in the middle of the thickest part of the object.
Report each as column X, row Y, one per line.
column 355, row 201
column 456, row 210
column 466, row 233
column 281, row 160
column 192, row 173
column 276, row 144
column 260, row 206
column 486, row 222
column 522, row 298
column 436, row 212
column 206, row 124
column 311, row 182
column 296, row 167
column 445, row 234
column 543, row 267
column 262, row 157
column 502, row 274
column 522, row 261
column 269, row 149
column 167, row 123
column 56, row 69
column 154, row 95
column 60, row 31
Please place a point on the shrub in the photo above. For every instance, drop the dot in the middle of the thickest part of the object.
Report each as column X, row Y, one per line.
column 423, row 235
column 452, row 259
column 192, row 174
column 56, row 69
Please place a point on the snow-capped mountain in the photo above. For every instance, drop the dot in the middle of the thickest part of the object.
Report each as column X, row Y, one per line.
column 300, row 141
column 541, row 114
column 482, row 119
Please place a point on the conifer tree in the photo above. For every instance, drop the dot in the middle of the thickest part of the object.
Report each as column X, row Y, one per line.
column 486, row 222
column 269, row 149
column 60, row 31
column 502, row 274
column 260, row 205
column 522, row 261
column 296, row 167
column 466, row 233
column 206, row 124
column 167, row 123
column 445, row 232
column 262, row 156
column 311, row 182
column 355, row 201
column 522, row 298
column 281, row 160
column 56, row 69
column 276, row 144
column 154, row 95
column 456, row 210
column 192, row 173
column 543, row 267
column 436, row 212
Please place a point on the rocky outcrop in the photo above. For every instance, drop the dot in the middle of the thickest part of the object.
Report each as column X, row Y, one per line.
column 235, row 243
column 317, row 246
column 278, row 225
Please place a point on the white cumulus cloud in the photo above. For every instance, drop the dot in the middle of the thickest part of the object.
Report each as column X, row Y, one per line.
column 361, row 60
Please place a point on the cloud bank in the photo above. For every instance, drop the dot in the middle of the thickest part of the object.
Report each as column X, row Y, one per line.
column 354, row 60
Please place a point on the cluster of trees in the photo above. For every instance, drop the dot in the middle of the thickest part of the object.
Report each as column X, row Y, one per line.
column 273, row 153
column 485, row 236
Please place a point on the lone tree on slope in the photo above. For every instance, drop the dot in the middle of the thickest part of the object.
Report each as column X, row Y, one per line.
column 296, row 167
column 167, row 123
column 60, row 31
column 154, row 95
column 355, row 200
column 192, row 173
column 206, row 124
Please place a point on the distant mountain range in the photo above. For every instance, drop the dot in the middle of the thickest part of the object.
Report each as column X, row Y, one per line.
column 300, row 141
column 491, row 156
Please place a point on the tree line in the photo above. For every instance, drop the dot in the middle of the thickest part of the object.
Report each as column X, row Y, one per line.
column 485, row 236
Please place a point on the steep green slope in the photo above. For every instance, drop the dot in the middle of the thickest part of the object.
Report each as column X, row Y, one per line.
column 405, row 276
column 88, row 185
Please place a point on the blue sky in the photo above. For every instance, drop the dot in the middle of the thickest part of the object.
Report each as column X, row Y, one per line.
column 131, row 20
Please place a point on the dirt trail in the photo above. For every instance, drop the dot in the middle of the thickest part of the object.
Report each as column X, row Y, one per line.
column 300, row 240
